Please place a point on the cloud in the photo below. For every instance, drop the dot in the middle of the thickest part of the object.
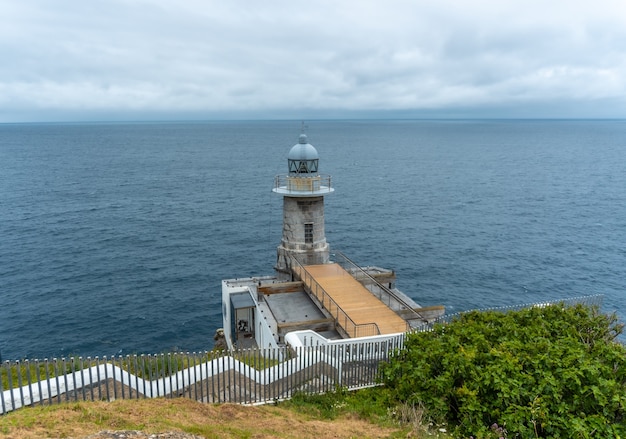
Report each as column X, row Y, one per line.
column 211, row 57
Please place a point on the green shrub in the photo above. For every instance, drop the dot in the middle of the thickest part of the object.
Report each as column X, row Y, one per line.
column 546, row 372
column 326, row 405
column 369, row 403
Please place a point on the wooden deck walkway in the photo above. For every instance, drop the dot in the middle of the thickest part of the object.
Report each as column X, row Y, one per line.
column 356, row 300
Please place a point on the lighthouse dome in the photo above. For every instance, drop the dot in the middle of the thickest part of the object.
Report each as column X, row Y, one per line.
column 303, row 157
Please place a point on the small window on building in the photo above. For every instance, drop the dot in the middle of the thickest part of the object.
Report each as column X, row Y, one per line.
column 308, row 233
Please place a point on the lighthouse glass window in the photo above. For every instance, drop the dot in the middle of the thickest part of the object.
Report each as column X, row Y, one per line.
column 308, row 233
column 303, row 166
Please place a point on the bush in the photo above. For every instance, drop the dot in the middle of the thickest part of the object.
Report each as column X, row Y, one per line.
column 545, row 372
column 369, row 403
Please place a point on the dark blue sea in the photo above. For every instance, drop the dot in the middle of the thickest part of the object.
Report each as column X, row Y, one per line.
column 114, row 236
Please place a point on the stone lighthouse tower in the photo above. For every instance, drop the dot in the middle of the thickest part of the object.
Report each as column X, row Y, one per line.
column 303, row 191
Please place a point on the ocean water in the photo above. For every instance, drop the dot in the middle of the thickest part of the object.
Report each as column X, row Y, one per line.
column 114, row 237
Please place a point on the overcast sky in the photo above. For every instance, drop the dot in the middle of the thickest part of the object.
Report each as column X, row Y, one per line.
column 199, row 59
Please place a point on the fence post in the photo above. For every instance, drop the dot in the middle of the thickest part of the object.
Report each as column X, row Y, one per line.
column 113, row 379
column 90, row 377
column 81, row 367
column 3, row 404
column 164, row 376
column 38, row 378
column 106, row 377
column 212, row 361
column 136, row 377
column 30, row 382
column 170, row 372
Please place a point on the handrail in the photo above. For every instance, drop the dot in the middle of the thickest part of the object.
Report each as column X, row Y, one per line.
column 352, row 329
column 388, row 293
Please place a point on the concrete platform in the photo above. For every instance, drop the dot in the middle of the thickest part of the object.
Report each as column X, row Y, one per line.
column 293, row 307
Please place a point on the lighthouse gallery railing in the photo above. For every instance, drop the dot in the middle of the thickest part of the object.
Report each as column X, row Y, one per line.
column 317, row 184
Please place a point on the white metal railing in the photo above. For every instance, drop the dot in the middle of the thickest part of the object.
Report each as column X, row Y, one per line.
column 310, row 363
column 252, row 376
column 317, row 184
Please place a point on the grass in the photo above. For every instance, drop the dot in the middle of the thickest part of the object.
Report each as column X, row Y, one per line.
column 78, row 420
column 362, row 414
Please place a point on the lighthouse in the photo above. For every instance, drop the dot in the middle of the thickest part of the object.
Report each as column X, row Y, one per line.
column 313, row 296
column 303, row 190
